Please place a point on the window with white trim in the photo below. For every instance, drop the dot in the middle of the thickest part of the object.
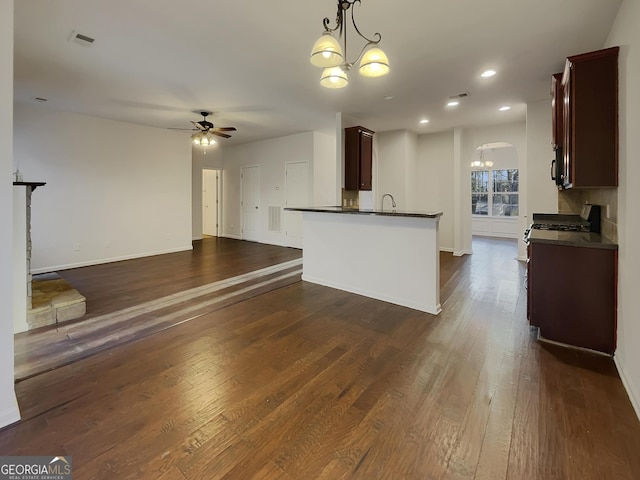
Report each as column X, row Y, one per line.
column 494, row 193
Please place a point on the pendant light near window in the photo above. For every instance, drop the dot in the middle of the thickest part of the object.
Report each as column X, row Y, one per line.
column 327, row 53
column 482, row 162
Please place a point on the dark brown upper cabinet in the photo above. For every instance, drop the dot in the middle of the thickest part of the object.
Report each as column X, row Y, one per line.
column 590, row 120
column 556, row 111
column 358, row 153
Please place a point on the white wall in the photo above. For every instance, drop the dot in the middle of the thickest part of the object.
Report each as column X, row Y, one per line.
column 442, row 176
column 513, row 133
column 114, row 190
column 211, row 158
column 271, row 156
column 626, row 34
column 502, row 157
column 542, row 194
column 396, row 166
column 434, row 181
column 9, row 412
column 391, row 167
column 411, row 171
column 325, row 189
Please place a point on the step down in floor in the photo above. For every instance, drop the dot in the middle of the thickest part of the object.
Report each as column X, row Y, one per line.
column 53, row 301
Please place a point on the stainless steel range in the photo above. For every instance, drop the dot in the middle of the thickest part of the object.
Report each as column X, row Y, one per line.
column 561, row 227
column 587, row 221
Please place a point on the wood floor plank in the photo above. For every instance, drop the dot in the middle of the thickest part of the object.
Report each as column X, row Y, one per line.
column 307, row 382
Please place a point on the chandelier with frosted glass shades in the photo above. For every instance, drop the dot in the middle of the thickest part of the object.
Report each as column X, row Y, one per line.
column 329, row 55
column 482, row 162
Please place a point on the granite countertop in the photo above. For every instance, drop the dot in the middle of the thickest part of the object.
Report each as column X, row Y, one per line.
column 361, row 211
column 573, row 239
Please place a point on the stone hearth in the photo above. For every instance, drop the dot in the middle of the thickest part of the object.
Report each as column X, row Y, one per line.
column 53, row 301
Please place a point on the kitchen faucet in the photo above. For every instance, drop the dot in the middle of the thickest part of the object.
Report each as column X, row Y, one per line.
column 393, row 202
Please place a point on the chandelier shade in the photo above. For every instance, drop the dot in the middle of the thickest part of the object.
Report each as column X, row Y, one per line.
column 374, row 63
column 334, row 77
column 326, row 52
column 203, row 138
column 482, row 162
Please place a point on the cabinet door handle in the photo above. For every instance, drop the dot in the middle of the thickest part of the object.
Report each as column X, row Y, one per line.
column 553, row 163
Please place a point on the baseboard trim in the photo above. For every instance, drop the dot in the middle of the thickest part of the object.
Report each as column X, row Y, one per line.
column 229, row 235
column 628, row 386
column 462, row 252
column 100, row 261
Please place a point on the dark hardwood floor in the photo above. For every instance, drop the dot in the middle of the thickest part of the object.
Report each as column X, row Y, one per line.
column 114, row 286
column 170, row 289
column 304, row 381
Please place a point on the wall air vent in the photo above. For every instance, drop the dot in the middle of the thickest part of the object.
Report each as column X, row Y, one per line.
column 274, row 218
column 40, row 99
column 81, row 39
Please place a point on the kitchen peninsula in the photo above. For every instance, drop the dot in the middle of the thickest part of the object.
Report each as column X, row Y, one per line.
column 388, row 255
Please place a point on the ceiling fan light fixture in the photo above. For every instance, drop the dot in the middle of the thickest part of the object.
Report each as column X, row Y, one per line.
column 326, row 52
column 204, row 139
column 334, row 77
column 374, row 63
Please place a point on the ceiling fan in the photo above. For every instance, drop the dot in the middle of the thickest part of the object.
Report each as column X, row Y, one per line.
column 204, row 126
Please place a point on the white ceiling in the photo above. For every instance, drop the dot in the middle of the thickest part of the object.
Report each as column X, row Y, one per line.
column 155, row 62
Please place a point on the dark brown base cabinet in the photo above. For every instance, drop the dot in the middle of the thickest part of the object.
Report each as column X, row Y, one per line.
column 572, row 294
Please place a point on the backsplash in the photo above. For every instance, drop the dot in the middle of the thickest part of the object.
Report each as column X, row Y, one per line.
column 571, row 201
column 350, row 198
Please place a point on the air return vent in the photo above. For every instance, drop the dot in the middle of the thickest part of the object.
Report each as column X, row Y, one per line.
column 274, row 219
column 81, row 39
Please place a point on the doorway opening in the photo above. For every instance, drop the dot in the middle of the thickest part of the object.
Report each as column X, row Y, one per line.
column 495, row 193
column 211, row 202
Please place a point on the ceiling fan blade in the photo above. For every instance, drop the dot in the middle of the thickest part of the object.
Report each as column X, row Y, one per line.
column 223, row 135
column 185, row 129
column 225, row 129
column 198, row 126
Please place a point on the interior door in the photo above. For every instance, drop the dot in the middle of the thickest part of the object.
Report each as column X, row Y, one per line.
column 210, row 183
column 250, row 200
column 296, row 195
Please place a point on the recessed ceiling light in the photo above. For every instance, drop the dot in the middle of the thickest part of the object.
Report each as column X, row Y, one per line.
column 488, row 73
column 453, row 103
column 389, row 97
column 424, row 121
column 504, row 108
